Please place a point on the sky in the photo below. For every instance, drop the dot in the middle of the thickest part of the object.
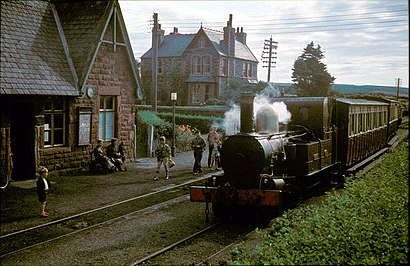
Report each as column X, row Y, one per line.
column 364, row 42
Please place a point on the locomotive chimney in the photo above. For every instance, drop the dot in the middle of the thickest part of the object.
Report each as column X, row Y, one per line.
column 247, row 113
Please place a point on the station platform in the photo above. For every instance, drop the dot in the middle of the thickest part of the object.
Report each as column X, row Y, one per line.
column 73, row 194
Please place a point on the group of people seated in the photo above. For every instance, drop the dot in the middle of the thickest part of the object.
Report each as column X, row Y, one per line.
column 114, row 160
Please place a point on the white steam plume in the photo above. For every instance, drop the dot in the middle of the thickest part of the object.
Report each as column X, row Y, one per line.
column 232, row 117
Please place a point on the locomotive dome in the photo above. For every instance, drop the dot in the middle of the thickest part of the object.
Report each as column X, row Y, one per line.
column 267, row 120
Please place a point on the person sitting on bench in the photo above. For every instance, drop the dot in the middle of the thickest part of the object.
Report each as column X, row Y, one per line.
column 101, row 159
column 114, row 154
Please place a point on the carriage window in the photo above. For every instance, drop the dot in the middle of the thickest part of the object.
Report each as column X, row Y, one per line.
column 360, row 124
column 351, row 125
column 356, row 123
column 54, row 123
column 370, row 121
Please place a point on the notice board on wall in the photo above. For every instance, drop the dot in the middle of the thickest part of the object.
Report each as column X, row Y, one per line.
column 84, row 126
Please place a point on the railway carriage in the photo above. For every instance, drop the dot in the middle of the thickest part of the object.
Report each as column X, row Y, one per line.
column 268, row 164
column 362, row 128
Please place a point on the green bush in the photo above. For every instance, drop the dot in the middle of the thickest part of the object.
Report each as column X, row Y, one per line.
column 366, row 223
column 163, row 127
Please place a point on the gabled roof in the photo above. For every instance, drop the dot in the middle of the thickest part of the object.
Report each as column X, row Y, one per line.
column 242, row 51
column 83, row 23
column 173, row 45
column 33, row 61
column 49, row 47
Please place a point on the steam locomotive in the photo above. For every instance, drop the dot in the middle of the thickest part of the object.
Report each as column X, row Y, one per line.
column 271, row 164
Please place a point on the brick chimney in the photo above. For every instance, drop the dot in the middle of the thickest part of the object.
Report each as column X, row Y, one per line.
column 161, row 34
column 228, row 43
column 229, row 38
column 240, row 35
column 175, row 32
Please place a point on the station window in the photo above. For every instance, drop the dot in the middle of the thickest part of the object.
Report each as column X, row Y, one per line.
column 55, row 123
column 106, row 117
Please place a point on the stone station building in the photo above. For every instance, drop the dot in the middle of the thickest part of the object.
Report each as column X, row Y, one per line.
column 68, row 78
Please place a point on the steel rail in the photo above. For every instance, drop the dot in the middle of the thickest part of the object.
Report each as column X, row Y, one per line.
column 104, row 207
column 159, row 252
column 153, row 207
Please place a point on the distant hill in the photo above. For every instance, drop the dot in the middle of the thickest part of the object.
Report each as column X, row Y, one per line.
column 352, row 89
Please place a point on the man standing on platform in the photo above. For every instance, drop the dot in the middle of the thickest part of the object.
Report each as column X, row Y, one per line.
column 198, row 144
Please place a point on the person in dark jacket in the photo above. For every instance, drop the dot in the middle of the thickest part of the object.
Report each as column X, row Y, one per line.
column 198, row 144
column 114, row 154
column 163, row 153
column 43, row 185
column 101, row 159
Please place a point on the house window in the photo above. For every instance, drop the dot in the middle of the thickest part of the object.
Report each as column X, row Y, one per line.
column 176, row 63
column 106, row 118
column 195, row 93
column 249, row 70
column 224, row 67
column 196, row 65
column 54, row 123
column 244, row 69
column 206, row 61
column 159, row 66
column 201, row 43
column 207, row 92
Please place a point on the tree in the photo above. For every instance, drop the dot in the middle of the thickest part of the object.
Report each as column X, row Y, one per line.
column 310, row 75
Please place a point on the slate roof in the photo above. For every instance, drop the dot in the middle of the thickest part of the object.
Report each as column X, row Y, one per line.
column 172, row 45
column 242, row 51
column 83, row 23
column 33, row 61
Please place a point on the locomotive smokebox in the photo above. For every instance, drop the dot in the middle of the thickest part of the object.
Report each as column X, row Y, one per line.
column 247, row 112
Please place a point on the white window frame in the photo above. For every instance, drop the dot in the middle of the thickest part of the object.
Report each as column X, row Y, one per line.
column 106, row 130
column 196, row 65
column 206, row 64
column 51, row 130
column 195, row 93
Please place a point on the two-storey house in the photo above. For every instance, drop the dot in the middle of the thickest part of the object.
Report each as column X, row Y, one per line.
column 199, row 66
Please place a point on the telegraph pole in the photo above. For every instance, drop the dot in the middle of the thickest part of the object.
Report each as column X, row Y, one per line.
column 154, row 58
column 269, row 53
column 398, row 83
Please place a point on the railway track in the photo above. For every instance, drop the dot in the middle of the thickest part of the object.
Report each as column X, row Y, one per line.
column 13, row 242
